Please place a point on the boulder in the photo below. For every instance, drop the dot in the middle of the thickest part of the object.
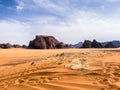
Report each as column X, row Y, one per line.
column 45, row 42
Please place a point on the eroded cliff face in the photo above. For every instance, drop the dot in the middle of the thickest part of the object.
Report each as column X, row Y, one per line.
column 45, row 42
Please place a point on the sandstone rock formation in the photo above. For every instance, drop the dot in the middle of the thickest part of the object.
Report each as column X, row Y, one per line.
column 110, row 45
column 60, row 45
column 5, row 46
column 17, row 46
column 8, row 45
column 45, row 42
column 87, row 44
column 96, row 44
column 24, row 46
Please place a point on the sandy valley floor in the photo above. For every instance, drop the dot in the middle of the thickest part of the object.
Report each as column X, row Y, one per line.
column 60, row 69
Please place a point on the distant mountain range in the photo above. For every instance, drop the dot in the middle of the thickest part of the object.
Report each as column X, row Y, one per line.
column 76, row 45
column 115, row 42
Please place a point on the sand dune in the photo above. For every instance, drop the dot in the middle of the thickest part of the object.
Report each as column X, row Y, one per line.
column 22, row 69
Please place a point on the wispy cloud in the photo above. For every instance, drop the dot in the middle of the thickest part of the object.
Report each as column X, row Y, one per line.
column 82, row 25
column 53, row 5
column 113, row 0
column 69, row 20
column 20, row 5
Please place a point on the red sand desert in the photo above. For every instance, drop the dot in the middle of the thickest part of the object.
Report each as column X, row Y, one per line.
column 60, row 69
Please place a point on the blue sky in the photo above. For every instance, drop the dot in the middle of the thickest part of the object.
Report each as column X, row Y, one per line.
column 69, row 21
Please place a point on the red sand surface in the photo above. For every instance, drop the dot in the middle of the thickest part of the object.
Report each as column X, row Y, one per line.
column 27, row 69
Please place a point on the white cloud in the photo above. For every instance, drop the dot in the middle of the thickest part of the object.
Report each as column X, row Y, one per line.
column 20, row 5
column 80, row 26
column 76, row 24
column 113, row 0
column 14, row 32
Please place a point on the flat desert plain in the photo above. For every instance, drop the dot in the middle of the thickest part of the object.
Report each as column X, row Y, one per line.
column 60, row 69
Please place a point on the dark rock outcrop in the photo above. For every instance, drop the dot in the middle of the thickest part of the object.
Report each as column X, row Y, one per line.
column 24, row 46
column 60, row 45
column 8, row 45
column 5, row 46
column 110, row 45
column 96, row 44
column 45, row 42
column 1, row 45
column 17, row 46
column 116, row 43
column 87, row 44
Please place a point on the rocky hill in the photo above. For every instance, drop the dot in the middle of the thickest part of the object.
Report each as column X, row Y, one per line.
column 5, row 46
column 93, row 44
column 8, row 45
column 116, row 43
column 110, row 45
column 87, row 44
column 96, row 44
column 45, row 42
